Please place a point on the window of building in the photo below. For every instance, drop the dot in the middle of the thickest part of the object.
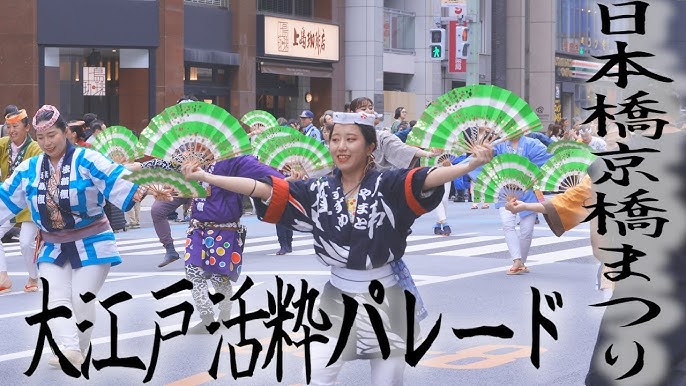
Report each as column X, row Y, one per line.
column 302, row 8
column 214, row 3
column 578, row 27
column 209, row 75
column 398, row 30
column 79, row 80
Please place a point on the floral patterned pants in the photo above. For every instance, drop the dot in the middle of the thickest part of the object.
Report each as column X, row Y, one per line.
column 201, row 297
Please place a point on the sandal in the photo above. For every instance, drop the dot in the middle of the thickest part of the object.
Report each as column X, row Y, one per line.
column 6, row 286
column 525, row 269
column 485, row 206
column 31, row 287
column 515, row 271
column 474, row 206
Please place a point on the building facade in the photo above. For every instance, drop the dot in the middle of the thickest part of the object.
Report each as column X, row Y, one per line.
column 128, row 60
column 577, row 39
column 388, row 57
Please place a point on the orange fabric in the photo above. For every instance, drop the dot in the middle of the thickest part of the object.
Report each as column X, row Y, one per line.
column 569, row 206
column 9, row 118
column 412, row 202
column 277, row 205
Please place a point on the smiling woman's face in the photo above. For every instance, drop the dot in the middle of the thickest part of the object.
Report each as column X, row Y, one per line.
column 17, row 132
column 52, row 141
column 349, row 148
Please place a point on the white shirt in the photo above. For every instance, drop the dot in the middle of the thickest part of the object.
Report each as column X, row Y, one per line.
column 597, row 144
column 15, row 148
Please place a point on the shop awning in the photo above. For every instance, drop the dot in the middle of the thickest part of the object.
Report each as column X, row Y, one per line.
column 297, row 69
column 198, row 55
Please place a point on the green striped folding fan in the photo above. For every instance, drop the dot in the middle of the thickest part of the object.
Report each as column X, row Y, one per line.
column 199, row 131
column 437, row 161
column 296, row 153
column 117, row 143
column 471, row 115
column 566, row 144
column 200, row 142
column 478, row 187
column 507, row 176
column 278, row 131
column 157, row 179
column 565, row 169
column 259, row 120
column 190, row 112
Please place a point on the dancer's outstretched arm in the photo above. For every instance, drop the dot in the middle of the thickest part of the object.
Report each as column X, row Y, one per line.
column 516, row 206
column 240, row 185
column 564, row 211
column 438, row 177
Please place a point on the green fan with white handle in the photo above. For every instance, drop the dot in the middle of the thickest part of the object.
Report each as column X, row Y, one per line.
column 300, row 153
column 259, row 120
column 206, row 114
column 158, row 180
column 565, row 169
column 472, row 115
column 117, row 143
column 197, row 141
column 507, row 176
column 566, row 144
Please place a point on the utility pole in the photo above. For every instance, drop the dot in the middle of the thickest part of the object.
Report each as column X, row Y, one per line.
column 474, row 24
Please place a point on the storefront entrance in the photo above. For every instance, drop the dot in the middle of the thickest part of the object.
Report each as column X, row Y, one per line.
column 113, row 83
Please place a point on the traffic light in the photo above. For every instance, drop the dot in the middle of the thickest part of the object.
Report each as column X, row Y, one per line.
column 437, row 43
column 461, row 42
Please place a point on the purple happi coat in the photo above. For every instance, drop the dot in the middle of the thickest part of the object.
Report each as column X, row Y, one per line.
column 220, row 250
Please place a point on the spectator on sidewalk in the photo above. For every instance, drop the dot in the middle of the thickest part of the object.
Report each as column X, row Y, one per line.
column 400, row 116
column 308, row 128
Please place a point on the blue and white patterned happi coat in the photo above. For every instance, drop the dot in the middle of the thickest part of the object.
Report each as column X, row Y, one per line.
column 93, row 178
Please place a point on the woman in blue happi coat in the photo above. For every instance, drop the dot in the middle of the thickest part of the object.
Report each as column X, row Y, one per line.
column 65, row 190
column 518, row 243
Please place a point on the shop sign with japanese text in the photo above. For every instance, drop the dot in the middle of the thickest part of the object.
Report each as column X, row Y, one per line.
column 300, row 39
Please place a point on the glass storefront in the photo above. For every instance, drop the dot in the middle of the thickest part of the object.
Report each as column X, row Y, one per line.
column 113, row 83
column 209, row 83
column 278, row 94
column 81, row 80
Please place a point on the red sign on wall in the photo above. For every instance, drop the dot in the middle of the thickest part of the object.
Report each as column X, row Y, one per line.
column 457, row 32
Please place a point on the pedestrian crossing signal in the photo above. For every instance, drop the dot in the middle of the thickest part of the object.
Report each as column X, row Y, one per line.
column 436, row 52
column 461, row 44
column 437, row 44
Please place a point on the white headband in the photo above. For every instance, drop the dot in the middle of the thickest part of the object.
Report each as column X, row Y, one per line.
column 360, row 118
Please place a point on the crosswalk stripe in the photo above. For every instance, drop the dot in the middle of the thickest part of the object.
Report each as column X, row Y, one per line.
column 542, row 259
column 564, row 254
column 268, row 243
column 475, row 251
column 501, row 247
column 449, row 243
column 180, row 245
column 309, row 251
column 578, row 229
column 267, row 247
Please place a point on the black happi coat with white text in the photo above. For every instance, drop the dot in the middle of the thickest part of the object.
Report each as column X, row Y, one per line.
column 388, row 203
